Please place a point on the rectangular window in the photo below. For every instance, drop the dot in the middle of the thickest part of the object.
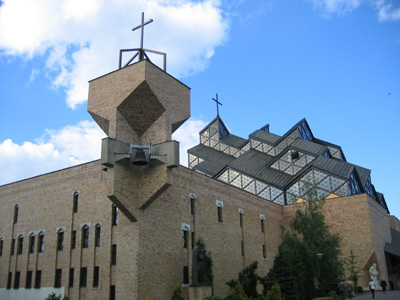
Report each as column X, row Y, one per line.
column 185, row 275
column 73, row 239
column 219, row 214
column 32, row 244
column 262, row 225
column 97, row 236
column 192, row 206
column 96, row 275
column 9, row 280
column 28, row 281
column 85, row 237
column 20, row 244
column 12, row 246
column 241, row 219
column 263, row 252
column 41, row 243
column 185, row 239
column 75, row 203
column 16, row 280
column 71, row 277
column 1, row 247
column 114, row 215
column 112, row 292
column 242, row 245
column 83, row 278
column 114, row 255
column 57, row 278
column 193, row 240
column 38, row 279
column 60, row 241
column 16, row 214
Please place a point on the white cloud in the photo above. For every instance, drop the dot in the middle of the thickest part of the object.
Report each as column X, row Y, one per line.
column 57, row 149
column 188, row 136
column 385, row 8
column 82, row 39
column 70, row 146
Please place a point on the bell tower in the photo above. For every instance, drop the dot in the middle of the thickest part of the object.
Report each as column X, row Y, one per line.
column 138, row 106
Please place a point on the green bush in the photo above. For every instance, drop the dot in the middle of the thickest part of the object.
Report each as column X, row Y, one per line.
column 275, row 292
column 238, row 290
column 334, row 295
column 177, row 293
column 212, row 298
column 233, row 297
column 53, row 296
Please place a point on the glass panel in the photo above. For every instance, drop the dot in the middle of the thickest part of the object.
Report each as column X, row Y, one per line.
column 272, row 152
column 260, row 186
column 201, row 160
column 342, row 191
column 215, row 137
column 280, row 200
column 265, row 194
column 259, row 147
column 321, row 194
column 336, row 182
column 213, row 143
column 224, row 176
column 203, row 140
column 246, row 180
column 192, row 158
column 275, row 193
column 308, row 178
column 283, row 165
column 205, row 134
column 233, row 174
column 246, row 147
column 234, row 152
column 222, row 146
column 237, row 182
column 251, row 187
column 325, row 184
column 254, row 144
column 304, row 187
column 226, row 150
column 275, row 165
column 319, row 176
column 215, row 124
column 207, row 143
column 296, row 170
column 301, row 162
column 290, row 198
column 289, row 170
column 287, row 157
column 266, row 148
column 294, row 189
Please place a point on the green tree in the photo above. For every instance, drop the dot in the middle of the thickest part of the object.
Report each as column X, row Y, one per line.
column 208, row 261
column 297, row 267
column 275, row 292
column 238, row 290
column 54, row 296
column 352, row 268
column 177, row 293
column 248, row 278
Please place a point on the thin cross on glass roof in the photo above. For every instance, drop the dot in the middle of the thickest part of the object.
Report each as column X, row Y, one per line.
column 218, row 103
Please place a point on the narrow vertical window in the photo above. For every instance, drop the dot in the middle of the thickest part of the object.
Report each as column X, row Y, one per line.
column 219, row 212
column 20, row 244
column 114, row 215
column 28, row 281
column 16, row 207
column 71, row 277
column 57, row 278
column 114, row 255
column 75, row 202
column 16, row 279
column 185, row 275
column 96, row 276
column 38, row 279
column 83, row 278
column 97, row 235
column 242, row 247
column 9, row 280
column 12, row 246
column 192, row 206
column 32, row 244
column 85, row 237
column 262, row 225
column 263, row 252
column 60, row 240
column 73, row 239
column 193, row 240
column 241, row 219
column 41, row 242
column 112, row 292
column 185, row 239
column 1, row 246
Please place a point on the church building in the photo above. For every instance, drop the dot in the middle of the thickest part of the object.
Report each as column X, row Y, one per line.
column 124, row 226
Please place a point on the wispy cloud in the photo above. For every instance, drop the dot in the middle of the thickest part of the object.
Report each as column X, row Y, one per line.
column 82, row 38
column 34, row 73
column 387, row 9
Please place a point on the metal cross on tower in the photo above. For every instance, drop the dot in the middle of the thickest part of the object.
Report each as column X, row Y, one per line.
column 141, row 51
column 218, row 103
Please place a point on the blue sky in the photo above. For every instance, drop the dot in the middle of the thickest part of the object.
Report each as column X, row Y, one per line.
column 334, row 62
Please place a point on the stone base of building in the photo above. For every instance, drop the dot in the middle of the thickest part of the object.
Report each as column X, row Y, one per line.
column 200, row 292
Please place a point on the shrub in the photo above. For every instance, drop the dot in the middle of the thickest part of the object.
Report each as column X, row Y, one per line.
column 233, row 297
column 177, row 293
column 53, row 296
column 212, row 298
column 359, row 290
column 275, row 292
column 238, row 290
column 334, row 295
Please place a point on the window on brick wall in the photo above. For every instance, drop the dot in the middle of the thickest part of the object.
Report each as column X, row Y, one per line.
column 192, row 206
column 16, row 279
column 96, row 276
column 38, row 279
column 85, row 236
column 264, row 252
column 262, row 225
column 9, row 279
column 28, row 281
column 73, row 239
column 31, row 243
column 193, row 240
column 185, row 275
column 242, row 247
column 75, row 202
column 60, row 240
column 185, row 238
column 16, row 208
column 83, row 278
column 1, row 246
column 57, row 278
column 114, row 255
column 97, row 234
column 41, row 242
column 219, row 213
column 114, row 215
column 241, row 219
column 112, row 292
column 12, row 246
column 71, row 277
column 20, row 244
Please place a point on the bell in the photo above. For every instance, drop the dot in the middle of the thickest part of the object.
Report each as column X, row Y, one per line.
column 140, row 158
